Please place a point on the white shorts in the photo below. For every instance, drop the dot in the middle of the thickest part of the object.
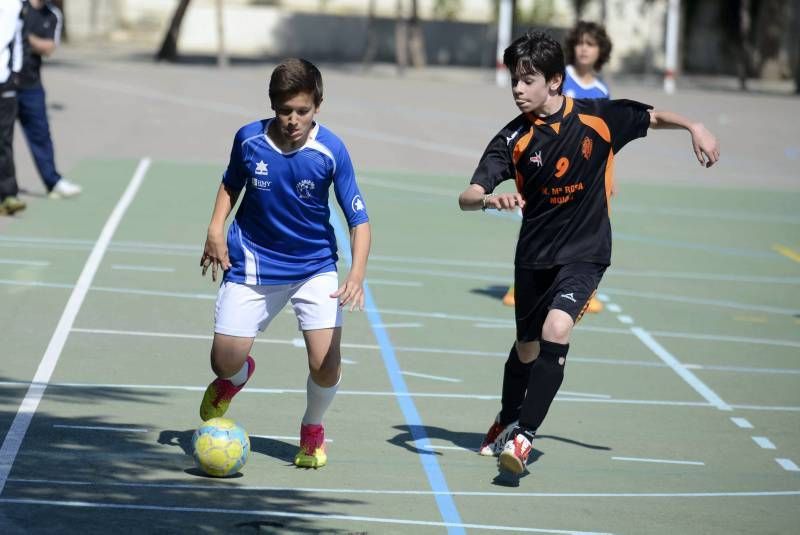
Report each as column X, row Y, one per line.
column 244, row 310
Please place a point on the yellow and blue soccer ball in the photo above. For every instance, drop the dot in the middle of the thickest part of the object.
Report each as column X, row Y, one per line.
column 220, row 447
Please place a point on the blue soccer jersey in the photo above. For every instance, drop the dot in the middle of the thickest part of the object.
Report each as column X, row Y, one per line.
column 281, row 232
column 575, row 89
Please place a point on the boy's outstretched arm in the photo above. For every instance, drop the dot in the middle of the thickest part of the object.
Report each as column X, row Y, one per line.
column 352, row 291
column 704, row 144
column 215, row 252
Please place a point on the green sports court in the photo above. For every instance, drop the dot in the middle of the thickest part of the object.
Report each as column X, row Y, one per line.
column 680, row 409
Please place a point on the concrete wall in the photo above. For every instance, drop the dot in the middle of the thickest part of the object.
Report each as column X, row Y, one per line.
column 636, row 27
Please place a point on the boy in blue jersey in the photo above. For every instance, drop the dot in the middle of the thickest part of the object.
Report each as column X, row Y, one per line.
column 586, row 50
column 281, row 248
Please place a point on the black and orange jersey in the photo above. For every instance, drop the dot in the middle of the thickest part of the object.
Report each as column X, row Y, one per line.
column 563, row 167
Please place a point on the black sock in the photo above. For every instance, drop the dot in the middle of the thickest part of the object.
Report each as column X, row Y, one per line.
column 515, row 381
column 545, row 379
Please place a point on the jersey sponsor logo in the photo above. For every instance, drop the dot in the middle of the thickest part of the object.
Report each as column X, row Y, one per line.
column 261, row 184
column 261, row 168
column 304, row 188
column 510, row 138
column 537, row 159
column 586, row 147
column 357, row 204
column 569, row 296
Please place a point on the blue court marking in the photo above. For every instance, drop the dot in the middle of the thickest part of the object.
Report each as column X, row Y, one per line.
column 444, row 500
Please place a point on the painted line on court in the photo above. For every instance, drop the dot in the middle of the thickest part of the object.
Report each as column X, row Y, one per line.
column 457, row 527
column 699, row 386
column 613, row 308
column 153, row 269
column 764, row 442
column 32, row 263
column 705, row 302
column 399, row 325
column 432, row 377
column 482, row 397
column 436, row 479
column 741, row 423
column 508, row 494
column 178, row 249
column 627, row 320
column 103, row 428
column 19, row 426
column 487, row 323
column 788, row 465
column 787, row 252
column 662, row 461
column 284, row 437
column 387, row 282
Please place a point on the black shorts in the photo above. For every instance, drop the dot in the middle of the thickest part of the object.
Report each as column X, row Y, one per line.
column 536, row 291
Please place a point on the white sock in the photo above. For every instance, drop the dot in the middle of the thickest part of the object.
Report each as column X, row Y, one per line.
column 240, row 377
column 318, row 399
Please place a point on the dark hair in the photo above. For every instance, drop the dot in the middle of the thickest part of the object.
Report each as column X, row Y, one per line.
column 596, row 32
column 293, row 76
column 535, row 52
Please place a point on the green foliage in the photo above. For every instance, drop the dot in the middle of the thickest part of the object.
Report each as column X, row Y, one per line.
column 446, row 9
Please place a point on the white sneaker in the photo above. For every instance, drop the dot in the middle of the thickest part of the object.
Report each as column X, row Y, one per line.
column 64, row 189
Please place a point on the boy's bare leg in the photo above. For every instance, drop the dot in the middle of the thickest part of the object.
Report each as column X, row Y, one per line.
column 324, row 366
column 231, row 362
column 228, row 354
column 324, row 355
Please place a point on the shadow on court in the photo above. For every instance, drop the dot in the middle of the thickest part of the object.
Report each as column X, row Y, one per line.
column 79, row 472
column 410, row 433
column 277, row 449
column 494, row 291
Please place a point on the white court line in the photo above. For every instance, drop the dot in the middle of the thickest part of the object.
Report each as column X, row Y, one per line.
column 764, row 442
column 450, row 448
column 349, row 361
column 788, row 465
column 103, row 428
column 432, row 377
column 685, row 374
column 742, row 423
column 387, row 282
column 744, row 369
column 333, row 490
column 627, row 320
column 562, row 396
column 706, row 302
column 19, row 427
column 35, row 263
column 398, row 325
column 614, row 308
column 487, row 323
column 143, row 268
column 285, row 437
column 663, row 461
column 190, row 250
column 285, row 514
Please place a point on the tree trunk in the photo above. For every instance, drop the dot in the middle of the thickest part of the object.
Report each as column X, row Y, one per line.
column 416, row 42
column 169, row 47
column 795, row 44
column 371, row 46
column 745, row 50
column 222, row 57
column 401, row 39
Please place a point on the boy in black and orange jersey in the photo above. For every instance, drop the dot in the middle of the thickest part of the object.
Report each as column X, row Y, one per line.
column 560, row 151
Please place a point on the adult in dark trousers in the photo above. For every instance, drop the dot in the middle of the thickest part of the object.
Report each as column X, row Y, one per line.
column 10, row 62
column 41, row 34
